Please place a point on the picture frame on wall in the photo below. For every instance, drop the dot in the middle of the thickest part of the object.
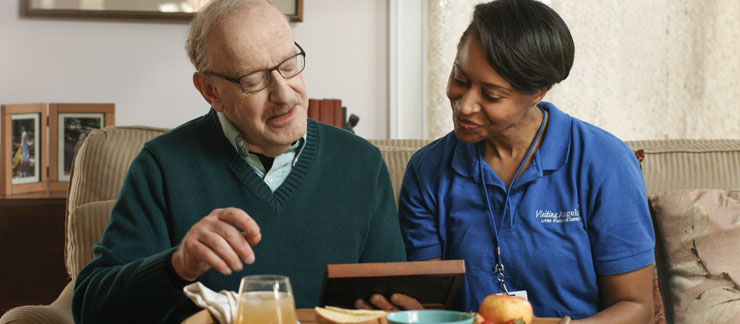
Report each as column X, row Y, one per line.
column 69, row 125
column 23, row 142
column 164, row 10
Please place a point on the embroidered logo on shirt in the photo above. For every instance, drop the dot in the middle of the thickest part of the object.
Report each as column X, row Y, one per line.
column 549, row 216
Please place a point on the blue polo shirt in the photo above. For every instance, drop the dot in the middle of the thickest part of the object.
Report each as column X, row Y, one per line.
column 580, row 210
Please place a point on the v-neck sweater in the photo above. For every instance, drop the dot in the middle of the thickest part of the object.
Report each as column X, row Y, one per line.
column 336, row 206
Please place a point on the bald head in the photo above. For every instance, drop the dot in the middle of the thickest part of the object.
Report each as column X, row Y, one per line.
column 257, row 18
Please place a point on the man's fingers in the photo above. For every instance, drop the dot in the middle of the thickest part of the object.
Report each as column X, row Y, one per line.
column 236, row 240
column 221, row 249
column 253, row 238
column 240, row 219
column 382, row 303
column 405, row 302
column 199, row 255
column 362, row 304
column 222, row 240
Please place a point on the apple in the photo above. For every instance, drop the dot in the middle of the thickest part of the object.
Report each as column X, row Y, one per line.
column 506, row 309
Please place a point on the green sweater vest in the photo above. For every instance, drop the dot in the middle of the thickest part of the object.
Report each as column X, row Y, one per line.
column 336, row 206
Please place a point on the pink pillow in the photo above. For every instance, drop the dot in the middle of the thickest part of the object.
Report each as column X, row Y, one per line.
column 699, row 231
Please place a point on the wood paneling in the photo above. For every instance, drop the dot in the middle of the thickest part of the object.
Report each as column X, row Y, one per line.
column 31, row 251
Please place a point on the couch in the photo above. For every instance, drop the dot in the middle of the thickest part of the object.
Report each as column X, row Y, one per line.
column 102, row 161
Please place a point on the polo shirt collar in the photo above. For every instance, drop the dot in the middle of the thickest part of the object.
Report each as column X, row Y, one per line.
column 465, row 160
column 555, row 149
column 552, row 154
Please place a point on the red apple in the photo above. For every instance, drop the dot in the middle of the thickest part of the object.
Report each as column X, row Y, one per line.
column 503, row 309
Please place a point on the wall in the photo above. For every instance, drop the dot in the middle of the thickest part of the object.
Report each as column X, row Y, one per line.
column 654, row 69
column 643, row 69
column 143, row 68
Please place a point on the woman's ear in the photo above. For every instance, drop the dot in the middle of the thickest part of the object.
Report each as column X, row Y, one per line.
column 207, row 90
column 538, row 96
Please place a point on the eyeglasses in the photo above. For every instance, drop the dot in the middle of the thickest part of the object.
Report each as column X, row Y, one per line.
column 259, row 80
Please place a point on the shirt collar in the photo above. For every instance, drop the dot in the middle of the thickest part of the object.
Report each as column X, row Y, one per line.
column 552, row 154
column 242, row 148
column 555, row 149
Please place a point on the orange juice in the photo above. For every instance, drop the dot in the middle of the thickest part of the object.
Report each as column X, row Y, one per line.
column 266, row 308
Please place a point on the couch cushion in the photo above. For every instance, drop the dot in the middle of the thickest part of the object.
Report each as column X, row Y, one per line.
column 679, row 164
column 102, row 162
column 396, row 157
column 699, row 234
column 85, row 226
column 397, row 153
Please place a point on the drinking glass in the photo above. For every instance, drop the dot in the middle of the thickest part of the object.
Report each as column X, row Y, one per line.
column 265, row 299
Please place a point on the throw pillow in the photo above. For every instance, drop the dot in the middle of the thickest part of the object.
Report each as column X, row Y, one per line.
column 659, row 316
column 699, row 232
column 85, row 226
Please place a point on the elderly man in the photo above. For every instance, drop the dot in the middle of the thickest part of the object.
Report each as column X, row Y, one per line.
column 199, row 199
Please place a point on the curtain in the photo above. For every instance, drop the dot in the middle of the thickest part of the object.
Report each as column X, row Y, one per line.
column 446, row 22
column 647, row 69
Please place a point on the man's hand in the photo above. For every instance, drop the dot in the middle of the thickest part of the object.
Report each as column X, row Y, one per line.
column 216, row 241
column 397, row 302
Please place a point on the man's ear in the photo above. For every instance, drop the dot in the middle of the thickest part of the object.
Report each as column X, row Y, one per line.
column 207, row 90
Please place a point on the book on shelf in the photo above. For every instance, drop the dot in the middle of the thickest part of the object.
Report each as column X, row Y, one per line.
column 326, row 111
column 313, row 109
column 338, row 117
column 433, row 283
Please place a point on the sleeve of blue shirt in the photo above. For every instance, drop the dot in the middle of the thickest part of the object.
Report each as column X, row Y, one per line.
column 417, row 216
column 619, row 223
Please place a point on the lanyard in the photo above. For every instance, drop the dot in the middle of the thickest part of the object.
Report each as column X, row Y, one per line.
column 499, row 268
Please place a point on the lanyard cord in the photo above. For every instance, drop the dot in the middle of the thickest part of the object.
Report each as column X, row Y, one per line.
column 499, row 268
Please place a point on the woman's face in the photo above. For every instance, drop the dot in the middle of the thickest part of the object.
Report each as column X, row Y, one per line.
column 484, row 105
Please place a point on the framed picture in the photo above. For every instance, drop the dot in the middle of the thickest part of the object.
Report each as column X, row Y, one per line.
column 177, row 10
column 69, row 125
column 23, row 141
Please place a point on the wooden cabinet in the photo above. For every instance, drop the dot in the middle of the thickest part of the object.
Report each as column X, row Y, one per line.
column 31, row 249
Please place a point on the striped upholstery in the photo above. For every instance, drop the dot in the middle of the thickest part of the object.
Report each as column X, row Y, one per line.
column 58, row 312
column 689, row 164
column 39, row 315
column 103, row 160
column 682, row 165
column 413, row 143
column 93, row 217
column 97, row 175
column 397, row 154
column 668, row 165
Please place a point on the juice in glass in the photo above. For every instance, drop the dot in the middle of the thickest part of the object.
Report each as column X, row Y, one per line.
column 266, row 299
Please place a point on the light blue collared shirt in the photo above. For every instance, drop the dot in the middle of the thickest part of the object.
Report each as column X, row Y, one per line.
column 281, row 166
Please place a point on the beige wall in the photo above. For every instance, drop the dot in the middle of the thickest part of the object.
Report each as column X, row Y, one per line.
column 143, row 68
column 643, row 69
column 654, row 69
column 649, row 69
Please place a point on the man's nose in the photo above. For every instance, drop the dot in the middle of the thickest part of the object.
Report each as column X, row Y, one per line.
column 280, row 90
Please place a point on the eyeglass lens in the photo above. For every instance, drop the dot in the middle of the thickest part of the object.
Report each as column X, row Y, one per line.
column 261, row 79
